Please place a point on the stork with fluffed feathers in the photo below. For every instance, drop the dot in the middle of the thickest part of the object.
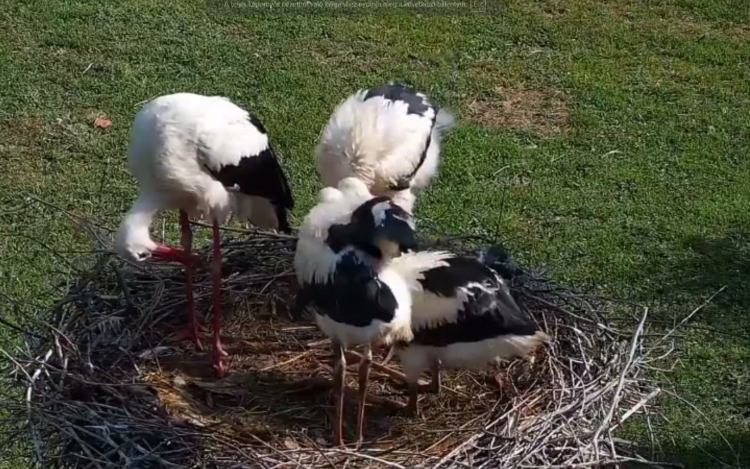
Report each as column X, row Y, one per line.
column 389, row 137
column 463, row 317
column 345, row 244
column 207, row 158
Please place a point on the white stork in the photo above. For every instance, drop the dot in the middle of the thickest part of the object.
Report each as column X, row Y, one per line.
column 463, row 316
column 206, row 157
column 344, row 243
column 388, row 137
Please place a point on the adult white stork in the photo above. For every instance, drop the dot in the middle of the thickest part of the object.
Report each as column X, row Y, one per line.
column 463, row 316
column 207, row 158
column 388, row 137
column 344, row 244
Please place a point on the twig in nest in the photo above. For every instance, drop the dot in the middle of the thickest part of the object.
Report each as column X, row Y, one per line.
column 288, row 362
column 618, row 391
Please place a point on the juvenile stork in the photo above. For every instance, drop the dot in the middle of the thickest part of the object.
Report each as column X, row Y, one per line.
column 345, row 244
column 463, row 316
column 388, row 137
column 206, row 157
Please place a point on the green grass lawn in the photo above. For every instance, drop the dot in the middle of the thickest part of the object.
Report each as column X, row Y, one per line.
column 609, row 139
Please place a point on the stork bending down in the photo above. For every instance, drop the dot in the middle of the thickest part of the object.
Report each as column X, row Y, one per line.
column 388, row 137
column 205, row 157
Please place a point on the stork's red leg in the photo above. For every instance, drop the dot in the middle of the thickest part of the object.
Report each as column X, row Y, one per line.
column 364, row 374
column 339, row 373
column 194, row 328
column 219, row 352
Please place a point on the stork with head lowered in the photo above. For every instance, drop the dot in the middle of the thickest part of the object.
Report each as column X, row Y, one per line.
column 207, row 158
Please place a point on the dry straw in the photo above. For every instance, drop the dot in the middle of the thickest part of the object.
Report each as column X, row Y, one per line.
column 104, row 387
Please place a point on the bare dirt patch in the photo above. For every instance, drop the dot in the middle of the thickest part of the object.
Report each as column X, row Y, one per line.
column 740, row 31
column 542, row 111
column 21, row 141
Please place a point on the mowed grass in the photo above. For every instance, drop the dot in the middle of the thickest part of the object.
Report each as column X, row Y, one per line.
column 606, row 140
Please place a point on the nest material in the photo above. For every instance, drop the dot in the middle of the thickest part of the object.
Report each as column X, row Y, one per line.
column 106, row 387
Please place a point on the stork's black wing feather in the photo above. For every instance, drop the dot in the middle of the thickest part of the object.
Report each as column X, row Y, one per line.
column 254, row 173
column 416, row 103
column 354, row 295
column 258, row 175
column 489, row 312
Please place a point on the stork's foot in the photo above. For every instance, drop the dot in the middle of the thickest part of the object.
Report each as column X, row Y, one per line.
column 219, row 354
column 497, row 382
column 220, row 368
column 219, row 350
column 191, row 333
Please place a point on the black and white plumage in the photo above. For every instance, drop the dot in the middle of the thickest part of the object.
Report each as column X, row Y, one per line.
column 389, row 137
column 344, row 246
column 207, row 158
column 463, row 316
column 498, row 258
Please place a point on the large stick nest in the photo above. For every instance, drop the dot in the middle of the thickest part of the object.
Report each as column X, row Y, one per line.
column 105, row 386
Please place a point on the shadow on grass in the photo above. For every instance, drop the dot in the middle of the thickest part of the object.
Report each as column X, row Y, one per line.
column 717, row 454
column 713, row 372
column 707, row 265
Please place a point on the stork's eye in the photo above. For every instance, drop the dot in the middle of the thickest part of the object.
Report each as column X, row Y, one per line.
column 142, row 256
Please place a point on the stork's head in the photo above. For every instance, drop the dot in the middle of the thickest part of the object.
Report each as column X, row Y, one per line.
column 135, row 244
column 133, row 240
column 383, row 229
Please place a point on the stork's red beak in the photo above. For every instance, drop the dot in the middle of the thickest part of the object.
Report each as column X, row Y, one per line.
column 169, row 254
